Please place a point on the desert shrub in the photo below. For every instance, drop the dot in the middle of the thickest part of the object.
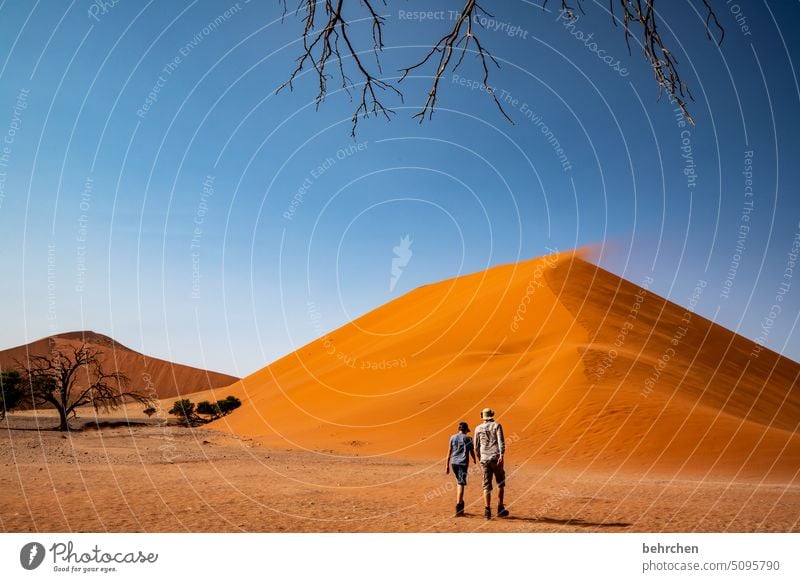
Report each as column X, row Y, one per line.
column 184, row 409
column 11, row 391
column 208, row 409
column 190, row 412
column 228, row 405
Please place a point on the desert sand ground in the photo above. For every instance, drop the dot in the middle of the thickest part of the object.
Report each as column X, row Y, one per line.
column 156, row 478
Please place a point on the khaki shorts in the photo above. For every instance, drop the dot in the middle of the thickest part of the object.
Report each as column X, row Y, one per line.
column 490, row 469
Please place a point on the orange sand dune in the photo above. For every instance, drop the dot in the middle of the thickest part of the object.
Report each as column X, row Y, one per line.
column 585, row 370
column 146, row 374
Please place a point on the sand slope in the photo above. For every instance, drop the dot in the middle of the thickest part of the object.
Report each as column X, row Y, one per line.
column 586, row 371
column 146, row 374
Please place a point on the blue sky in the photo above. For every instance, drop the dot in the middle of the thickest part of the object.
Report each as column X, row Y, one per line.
column 168, row 221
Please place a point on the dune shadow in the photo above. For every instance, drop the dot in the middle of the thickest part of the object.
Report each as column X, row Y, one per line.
column 567, row 522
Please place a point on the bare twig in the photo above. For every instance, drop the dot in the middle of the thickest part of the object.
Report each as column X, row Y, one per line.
column 569, row 11
column 662, row 61
column 326, row 43
column 458, row 39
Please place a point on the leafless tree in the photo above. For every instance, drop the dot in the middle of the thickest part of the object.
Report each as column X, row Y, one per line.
column 72, row 377
column 327, row 44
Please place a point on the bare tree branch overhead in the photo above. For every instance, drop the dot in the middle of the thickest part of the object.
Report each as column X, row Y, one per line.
column 328, row 45
column 458, row 39
column 661, row 60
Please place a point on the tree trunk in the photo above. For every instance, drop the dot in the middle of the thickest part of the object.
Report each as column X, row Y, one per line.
column 64, row 425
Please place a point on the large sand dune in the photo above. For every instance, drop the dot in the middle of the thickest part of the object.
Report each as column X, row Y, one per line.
column 585, row 370
column 146, row 374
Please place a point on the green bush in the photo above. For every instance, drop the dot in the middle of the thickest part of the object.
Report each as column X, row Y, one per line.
column 184, row 410
column 11, row 392
column 208, row 409
column 228, row 405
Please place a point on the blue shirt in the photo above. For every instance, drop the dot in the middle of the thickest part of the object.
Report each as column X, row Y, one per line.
column 460, row 446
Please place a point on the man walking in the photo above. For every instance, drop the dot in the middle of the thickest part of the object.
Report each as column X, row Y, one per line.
column 461, row 448
column 490, row 446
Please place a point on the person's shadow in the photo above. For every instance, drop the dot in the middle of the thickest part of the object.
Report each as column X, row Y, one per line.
column 566, row 522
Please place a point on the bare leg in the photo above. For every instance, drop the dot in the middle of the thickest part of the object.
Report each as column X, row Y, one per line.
column 459, row 494
column 487, row 498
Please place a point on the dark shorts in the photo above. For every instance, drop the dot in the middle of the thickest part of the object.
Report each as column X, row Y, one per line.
column 460, row 471
column 492, row 469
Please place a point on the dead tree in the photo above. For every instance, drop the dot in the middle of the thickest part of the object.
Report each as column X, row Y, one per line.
column 72, row 377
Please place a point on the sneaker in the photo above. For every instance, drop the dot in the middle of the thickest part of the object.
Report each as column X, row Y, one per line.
column 502, row 511
column 487, row 513
column 459, row 510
